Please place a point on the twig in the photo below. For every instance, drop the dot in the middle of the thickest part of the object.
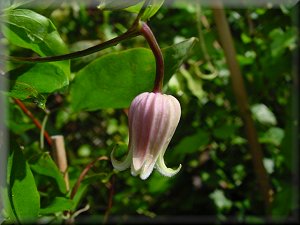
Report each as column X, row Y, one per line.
column 60, row 157
column 83, row 173
column 110, row 199
column 242, row 103
column 34, row 120
column 129, row 34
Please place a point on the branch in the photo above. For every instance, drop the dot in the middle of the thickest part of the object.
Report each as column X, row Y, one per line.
column 110, row 199
column 34, row 120
column 242, row 103
column 85, row 52
column 83, row 173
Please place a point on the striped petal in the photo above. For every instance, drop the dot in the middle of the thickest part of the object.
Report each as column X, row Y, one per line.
column 152, row 119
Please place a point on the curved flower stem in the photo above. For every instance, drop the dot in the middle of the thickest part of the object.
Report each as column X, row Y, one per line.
column 159, row 59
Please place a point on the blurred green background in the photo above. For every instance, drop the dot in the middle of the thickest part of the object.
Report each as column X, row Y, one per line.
column 217, row 180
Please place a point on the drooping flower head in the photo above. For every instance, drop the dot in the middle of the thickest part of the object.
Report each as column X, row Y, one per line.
column 152, row 118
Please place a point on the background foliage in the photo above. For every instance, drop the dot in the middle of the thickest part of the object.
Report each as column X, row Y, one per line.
column 86, row 98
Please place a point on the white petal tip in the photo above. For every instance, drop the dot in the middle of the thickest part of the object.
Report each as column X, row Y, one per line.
column 168, row 172
column 145, row 175
column 120, row 165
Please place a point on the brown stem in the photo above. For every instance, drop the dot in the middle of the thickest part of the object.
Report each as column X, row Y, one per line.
column 83, row 173
column 159, row 59
column 34, row 120
column 129, row 34
column 110, row 199
column 242, row 103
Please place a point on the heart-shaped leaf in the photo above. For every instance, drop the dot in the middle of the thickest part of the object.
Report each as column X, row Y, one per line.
column 113, row 80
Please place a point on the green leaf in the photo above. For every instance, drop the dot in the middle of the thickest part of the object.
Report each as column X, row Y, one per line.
column 253, row 220
column 285, row 201
column 116, row 4
column 133, row 6
column 245, row 38
column 175, row 55
column 44, row 165
column 113, row 80
column 23, row 194
column 102, row 177
column 220, row 200
column 281, row 40
column 287, row 144
column 190, row 144
column 189, row 6
column 79, row 195
column 151, row 10
column 17, row 122
column 19, row 128
column 6, row 209
column 158, row 184
column 59, row 204
column 225, row 132
column 194, row 84
column 86, row 182
column 30, row 81
column 28, row 29
column 273, row 136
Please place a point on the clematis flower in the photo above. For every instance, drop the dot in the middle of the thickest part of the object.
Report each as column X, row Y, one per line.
column 152, row 118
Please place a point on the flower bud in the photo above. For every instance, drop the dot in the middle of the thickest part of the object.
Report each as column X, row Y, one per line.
column 152, row 118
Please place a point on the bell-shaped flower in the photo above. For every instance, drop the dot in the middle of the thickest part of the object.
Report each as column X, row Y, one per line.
column 153, row 118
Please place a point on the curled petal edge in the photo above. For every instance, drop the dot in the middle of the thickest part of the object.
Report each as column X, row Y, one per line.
column 118, row 165
column 163, row 169
column 147, row 169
